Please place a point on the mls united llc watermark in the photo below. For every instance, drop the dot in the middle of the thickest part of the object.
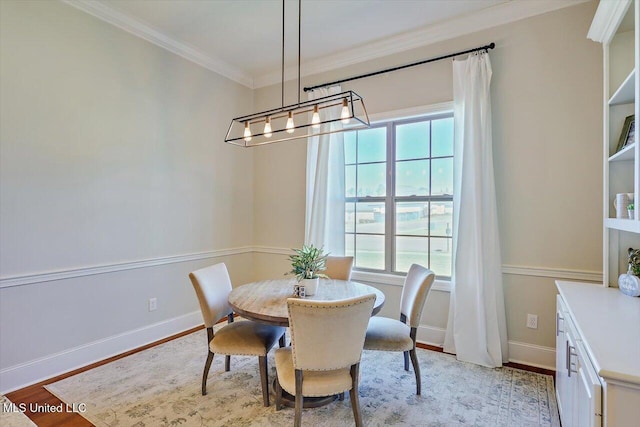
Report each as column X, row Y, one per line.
column 77, row 408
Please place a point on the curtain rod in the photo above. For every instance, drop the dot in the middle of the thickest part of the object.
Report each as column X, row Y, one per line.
column 388, row 70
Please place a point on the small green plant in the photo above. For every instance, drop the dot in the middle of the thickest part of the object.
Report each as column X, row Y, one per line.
column 308, row 262
column 630, row 206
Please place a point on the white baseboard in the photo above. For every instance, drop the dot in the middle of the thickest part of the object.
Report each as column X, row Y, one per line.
column 532, row 355
column 519, row 352
column 34, row 371
column 430, row 335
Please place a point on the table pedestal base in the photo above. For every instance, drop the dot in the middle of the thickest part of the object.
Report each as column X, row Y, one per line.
column 289, row 400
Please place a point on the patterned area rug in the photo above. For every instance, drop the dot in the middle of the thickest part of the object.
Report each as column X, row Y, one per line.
column 161, row 387
column 11, row 416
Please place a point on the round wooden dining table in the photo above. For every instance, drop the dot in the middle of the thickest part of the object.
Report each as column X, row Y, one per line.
column 266, row 301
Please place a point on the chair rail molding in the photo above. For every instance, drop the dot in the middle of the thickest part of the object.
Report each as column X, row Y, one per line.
column 29, row 279
column 366, row 276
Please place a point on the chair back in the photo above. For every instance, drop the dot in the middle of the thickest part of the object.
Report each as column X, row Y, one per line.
column 328, row 335
column 212, row 285
column 339, row 267
column 414, row 293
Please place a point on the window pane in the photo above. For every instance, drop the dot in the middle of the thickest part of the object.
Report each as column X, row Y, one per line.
column 349, row 244
column 441, row 219
column 411, row 250
column 442, row 176
column 349, row 217
column 372, row 145
column 371, row 180
column 349, row 147
column 442, row 137
column 412, row 141
column 350, row 181
column 370, row 218
column 441, row 256
column 412, row 218
column 412, row 178
column 370, row 252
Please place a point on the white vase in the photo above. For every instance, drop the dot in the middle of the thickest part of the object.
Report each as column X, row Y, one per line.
column 310, row 285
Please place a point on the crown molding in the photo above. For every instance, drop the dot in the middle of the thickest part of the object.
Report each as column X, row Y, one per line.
column 500, row 14
column 607, row 19
column 138, row 28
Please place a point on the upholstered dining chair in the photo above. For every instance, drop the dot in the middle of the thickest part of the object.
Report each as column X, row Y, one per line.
column 339, row 267
column 319, row 364
column 400, row 335
column 213, row 285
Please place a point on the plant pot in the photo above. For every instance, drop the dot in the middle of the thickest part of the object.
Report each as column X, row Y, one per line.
column 310, row 285
column 630, row 212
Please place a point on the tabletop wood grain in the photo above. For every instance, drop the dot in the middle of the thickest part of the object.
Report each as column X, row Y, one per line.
column 266, row 301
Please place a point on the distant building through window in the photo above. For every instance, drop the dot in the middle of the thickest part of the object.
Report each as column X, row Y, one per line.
column 399, row 195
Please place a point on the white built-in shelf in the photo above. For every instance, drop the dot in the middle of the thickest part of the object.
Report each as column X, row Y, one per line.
column 627, row 153
column 625, row 93
column 630, row 225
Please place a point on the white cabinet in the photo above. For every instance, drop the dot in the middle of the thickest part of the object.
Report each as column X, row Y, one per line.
column 597, row 356
column 578, row 388
column 588, row 391
column 615, row 25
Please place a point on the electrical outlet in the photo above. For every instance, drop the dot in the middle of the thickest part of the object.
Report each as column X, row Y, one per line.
column 532, row 321
column 153, row 304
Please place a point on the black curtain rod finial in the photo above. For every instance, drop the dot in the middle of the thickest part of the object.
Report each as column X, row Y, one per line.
column 388, row 70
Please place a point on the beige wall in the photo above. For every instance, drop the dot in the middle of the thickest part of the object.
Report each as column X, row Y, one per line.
column 111, row 152
column 547, row 127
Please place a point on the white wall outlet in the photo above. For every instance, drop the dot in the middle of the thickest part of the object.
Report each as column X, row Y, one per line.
column 532, row 321
column 153, row 304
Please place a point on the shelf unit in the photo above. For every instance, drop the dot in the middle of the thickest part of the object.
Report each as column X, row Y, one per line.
column 615, row 25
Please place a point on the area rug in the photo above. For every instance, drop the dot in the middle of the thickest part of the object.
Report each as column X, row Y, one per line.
column 161, row 387
column 12, row 415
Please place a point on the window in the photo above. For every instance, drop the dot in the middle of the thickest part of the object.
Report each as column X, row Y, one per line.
column 399, row 195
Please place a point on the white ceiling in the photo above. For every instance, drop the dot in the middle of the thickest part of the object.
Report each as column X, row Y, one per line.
column 242, row 39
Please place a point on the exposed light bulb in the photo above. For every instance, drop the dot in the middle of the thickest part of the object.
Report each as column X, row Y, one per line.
column 267, row 127
column 315, row 119
column 345, row 115
column 247, row 132
column 290, row 127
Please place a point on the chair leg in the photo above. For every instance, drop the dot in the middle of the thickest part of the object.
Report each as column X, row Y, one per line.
column 205, row 374
column 297, row 422
column 227, row 363
column 416, row 369
column 278, row 394
column 264, row 378
column 406, row 360
column 353, row 394
column 283, row 341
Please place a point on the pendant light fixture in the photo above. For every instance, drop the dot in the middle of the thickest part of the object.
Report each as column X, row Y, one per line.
column 300, row 120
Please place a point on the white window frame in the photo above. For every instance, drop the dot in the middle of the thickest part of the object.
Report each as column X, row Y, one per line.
column 397, row 279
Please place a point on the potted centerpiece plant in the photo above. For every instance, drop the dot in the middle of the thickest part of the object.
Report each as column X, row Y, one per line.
column 630, row 208
column 307, row 264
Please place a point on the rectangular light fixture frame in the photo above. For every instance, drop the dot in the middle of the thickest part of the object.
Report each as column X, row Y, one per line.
column 302, row 116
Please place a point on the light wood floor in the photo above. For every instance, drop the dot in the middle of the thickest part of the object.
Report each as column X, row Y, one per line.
column 36, row 393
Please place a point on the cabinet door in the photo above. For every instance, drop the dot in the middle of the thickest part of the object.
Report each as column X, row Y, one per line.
column 570, row 397
column 588, row 398
column 562, row 378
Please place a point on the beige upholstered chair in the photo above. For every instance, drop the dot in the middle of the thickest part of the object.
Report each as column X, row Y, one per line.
column 321, row 364
column 392, row 335
column 339, row 267
column 213, row 285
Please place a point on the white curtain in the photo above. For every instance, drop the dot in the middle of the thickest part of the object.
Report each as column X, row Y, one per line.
column 324, row 220
column 476, row 329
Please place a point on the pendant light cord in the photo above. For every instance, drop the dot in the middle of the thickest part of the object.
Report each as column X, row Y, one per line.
column 282, row 82
column 299, row 43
